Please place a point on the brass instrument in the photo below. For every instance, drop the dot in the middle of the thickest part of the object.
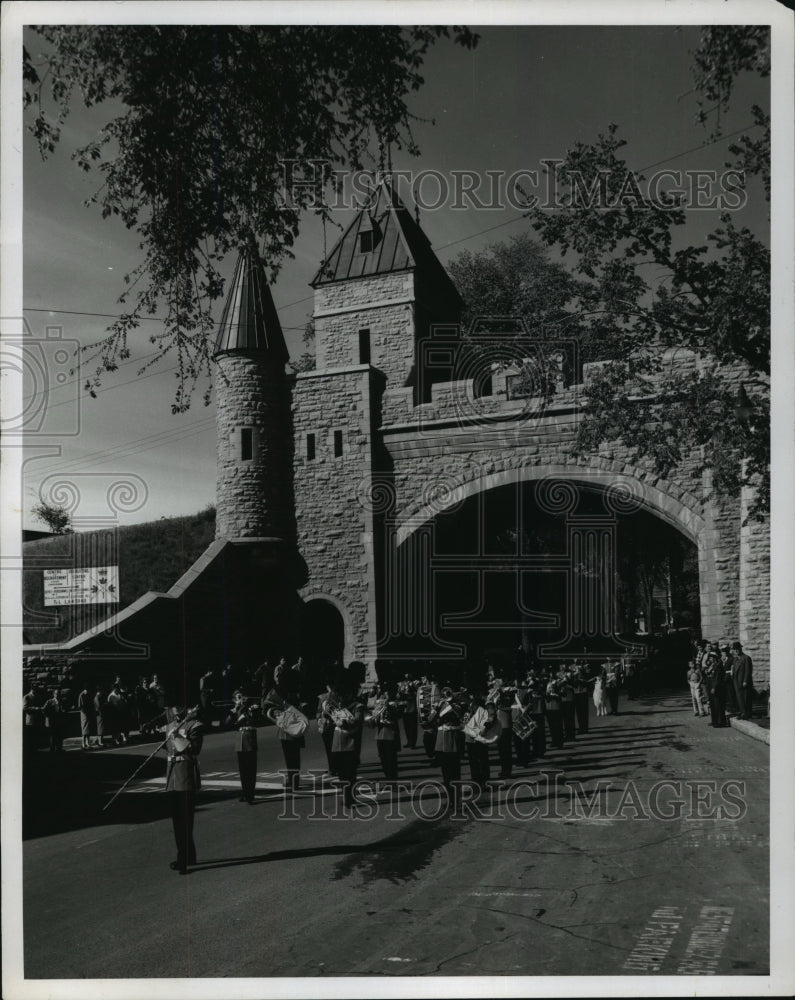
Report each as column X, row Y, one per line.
column 341, row 716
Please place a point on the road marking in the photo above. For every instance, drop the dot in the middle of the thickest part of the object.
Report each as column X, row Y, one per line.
column 707, row 941
column 394, row 958
column 219, row 784
column 655, row 941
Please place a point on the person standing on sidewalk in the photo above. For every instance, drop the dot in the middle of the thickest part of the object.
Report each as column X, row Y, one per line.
column 694, row 681
column 714, row 676
column 85, row 704
column 54, row 717
column 743, row 681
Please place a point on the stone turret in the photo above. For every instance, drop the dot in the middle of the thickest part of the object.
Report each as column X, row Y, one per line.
column 252, row 492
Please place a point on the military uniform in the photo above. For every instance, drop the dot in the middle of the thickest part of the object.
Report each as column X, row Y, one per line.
column 246, row 753
column 581, row 699
column 343, row 749
column 554, row 713
column 407, row 693
column 505, row 739
column 448, row 721
column 387, row 737
column 183, row 781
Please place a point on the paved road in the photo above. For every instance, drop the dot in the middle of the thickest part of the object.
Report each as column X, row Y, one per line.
column 533, row 885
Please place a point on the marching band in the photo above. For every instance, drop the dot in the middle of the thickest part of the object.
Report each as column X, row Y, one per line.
column 457, row 725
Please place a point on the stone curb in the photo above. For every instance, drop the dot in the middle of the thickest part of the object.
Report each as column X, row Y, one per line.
column 751, row 729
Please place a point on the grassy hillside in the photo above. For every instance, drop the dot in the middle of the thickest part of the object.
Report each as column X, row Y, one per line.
column 150, row 556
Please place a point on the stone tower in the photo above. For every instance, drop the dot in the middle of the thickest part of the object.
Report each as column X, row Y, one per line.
column 378, row 295
column 252, row 486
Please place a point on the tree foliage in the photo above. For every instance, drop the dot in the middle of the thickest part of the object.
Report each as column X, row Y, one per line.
column 57, row 518
column 193, row 162
column 640, row 292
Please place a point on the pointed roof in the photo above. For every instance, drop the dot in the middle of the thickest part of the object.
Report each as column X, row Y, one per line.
column 249, row 321
column 398, row 244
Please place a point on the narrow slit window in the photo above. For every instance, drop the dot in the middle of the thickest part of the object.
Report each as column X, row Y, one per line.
column 366, row 241
column 337, row 443
column 246, row 444
column 310, row 447
column 364, row 347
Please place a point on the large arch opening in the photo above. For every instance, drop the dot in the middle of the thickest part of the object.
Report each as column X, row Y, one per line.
column 539, row 570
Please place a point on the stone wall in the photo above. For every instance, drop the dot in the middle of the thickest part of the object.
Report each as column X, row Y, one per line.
column 384, row 305
column 332, row 496
column 754, row 610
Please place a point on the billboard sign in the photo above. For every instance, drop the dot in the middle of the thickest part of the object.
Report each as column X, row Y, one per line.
column 95, row 585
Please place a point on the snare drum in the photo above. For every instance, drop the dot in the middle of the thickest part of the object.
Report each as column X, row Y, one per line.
column 525, row 725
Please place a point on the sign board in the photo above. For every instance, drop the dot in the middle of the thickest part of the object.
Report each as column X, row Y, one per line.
column 96, row 585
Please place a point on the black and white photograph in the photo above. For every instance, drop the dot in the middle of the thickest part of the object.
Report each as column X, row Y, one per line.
column 397, row 480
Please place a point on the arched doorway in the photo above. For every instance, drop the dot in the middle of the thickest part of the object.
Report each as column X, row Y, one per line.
column 322, row 638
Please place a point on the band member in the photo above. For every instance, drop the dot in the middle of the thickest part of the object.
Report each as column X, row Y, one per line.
column 347, row 725
column 567, row 701
column 243, row 716
column 538, row 739
column 554, row 713
column 291, row 724
column 448, row 716
column 581, row 682
column 611, row 681
column 522, row 748
column 427, row 699
column 325, row 725
column 481, row 729
column 184, row 738
column 386, row 713
column 407, row 695
column 504, row 703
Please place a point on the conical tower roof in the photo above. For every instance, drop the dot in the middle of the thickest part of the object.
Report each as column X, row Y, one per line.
column 398, row 244
column 249, row 321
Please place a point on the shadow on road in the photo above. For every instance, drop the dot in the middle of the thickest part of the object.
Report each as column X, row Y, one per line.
column 67, row 791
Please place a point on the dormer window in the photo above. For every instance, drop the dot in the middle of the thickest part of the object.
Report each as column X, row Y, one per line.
column 366, row 241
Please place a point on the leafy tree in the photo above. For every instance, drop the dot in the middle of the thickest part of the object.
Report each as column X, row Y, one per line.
column 57, row 518
column 712, row 299
column 195, row 160
column 516, row 281
column 306, row 362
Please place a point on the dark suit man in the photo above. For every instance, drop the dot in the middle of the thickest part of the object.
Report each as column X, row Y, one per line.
column 743, row 680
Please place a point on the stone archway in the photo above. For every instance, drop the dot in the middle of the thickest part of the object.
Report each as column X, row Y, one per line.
column 325, row 633
column 625, row 491
column 676, row 507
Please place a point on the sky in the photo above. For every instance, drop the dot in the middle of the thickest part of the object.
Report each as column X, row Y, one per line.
column 525, row 94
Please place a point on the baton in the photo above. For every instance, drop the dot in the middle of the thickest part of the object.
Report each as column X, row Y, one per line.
column 137, row 771
column 188, row 715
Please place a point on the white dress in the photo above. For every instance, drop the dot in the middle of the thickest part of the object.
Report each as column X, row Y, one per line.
column 598, row 693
